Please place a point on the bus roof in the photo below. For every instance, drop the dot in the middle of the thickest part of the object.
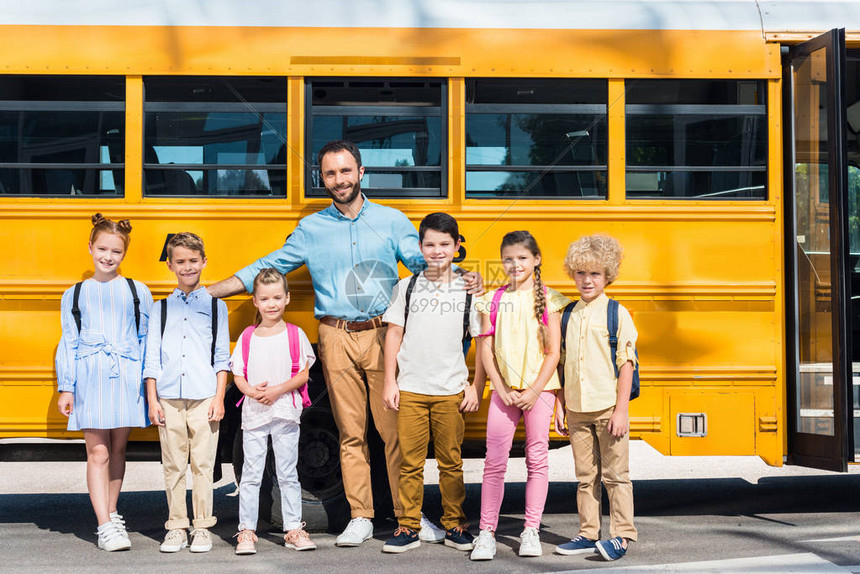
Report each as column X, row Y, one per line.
column 766, row 16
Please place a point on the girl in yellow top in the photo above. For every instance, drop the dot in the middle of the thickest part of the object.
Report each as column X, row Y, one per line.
column 520, row 357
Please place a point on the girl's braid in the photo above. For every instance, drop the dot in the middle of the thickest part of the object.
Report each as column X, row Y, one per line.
column 540, row 307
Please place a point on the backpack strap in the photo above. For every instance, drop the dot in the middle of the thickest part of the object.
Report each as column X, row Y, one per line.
column 466, row 317
column 612, row 327
column 76, row 310
column 214, row 328
column 136, row 300
column 295, row 356
column 245, row 341
column 565, row 320
column 494, row 310
column 409, row 289
column 163, row 316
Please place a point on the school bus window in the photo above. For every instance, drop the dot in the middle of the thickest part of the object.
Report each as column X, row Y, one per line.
column 62, row 136
column 696, row 139
column 215, row 136
column 397, row 125
column 536, row 138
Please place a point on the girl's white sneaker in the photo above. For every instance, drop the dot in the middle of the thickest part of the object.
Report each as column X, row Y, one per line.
column 118, row 521
column 530, row 542
column 485, row 546
column 111, row 538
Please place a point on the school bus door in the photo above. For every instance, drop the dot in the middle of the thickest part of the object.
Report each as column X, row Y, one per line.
column 820, row 417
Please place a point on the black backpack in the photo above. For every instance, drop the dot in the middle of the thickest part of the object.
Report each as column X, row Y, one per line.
column 467, row 338
column 612, row 327
column 76, row 310
column 214, row 324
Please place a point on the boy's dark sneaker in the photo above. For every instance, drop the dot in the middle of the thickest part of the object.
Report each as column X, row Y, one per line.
column 611, row 549
column 404, row 539
column 459, row 538
column 578, row 545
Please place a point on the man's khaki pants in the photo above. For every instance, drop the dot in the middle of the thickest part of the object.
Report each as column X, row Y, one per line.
column 598, row 455
column 188, row 431
column 419, row 416
column 348, row 359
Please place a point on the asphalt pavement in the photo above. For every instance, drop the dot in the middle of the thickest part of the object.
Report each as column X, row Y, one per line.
column 694, row 514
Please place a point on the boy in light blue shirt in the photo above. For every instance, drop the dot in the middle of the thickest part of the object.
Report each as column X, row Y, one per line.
column 186, row 366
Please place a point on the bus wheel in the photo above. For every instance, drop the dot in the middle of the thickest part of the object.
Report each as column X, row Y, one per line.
column 324, row 505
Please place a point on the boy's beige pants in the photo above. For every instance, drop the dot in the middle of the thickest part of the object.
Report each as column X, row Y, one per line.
column 598, row 455
column 187, row 432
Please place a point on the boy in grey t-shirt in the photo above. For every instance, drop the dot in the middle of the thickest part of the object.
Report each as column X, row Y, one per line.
column 427, row 381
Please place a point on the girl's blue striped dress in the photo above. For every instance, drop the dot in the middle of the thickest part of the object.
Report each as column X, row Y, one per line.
column 103, row 364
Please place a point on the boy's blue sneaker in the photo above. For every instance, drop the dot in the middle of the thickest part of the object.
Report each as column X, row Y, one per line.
column 611, row 549
column 578, row 545
column 404, row 539
column 459, row 538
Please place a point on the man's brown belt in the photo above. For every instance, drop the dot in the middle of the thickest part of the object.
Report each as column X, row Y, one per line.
column 374, row 323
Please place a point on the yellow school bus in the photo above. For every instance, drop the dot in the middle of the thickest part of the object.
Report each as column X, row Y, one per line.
column 717, row 140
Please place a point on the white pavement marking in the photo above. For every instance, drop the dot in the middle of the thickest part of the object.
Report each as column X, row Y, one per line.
column 855, row 538
column 806, row 563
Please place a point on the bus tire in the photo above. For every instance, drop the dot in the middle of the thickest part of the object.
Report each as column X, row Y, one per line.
column 324, row 505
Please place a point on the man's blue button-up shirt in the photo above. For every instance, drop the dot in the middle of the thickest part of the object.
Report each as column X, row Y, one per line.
column 181, row 362
column 352, row 262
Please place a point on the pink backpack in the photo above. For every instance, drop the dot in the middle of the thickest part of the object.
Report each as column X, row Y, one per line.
column 494, row 310
column 293, row 338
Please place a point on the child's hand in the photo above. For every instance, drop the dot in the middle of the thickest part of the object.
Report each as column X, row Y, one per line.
column 269, row 395
column 216, row 409
column 560, row 419
column 66, row 404
column 471, row 400
column 619, row 423
column 156, row 413
column 257, row 392
column 391, row 396
column 509, row 396
column 526, row 399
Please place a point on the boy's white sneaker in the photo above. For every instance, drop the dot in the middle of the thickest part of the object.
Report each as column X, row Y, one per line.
column 429, row 532
column 485, row 546
column 174, row 541
column 201, row 540
column 118, row 521
column 530, row 542
column 357, row 531
column 111, row 538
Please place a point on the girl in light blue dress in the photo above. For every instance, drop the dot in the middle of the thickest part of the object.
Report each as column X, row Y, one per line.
column 99, row 370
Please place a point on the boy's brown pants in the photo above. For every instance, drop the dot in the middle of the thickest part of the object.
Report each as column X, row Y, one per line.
column 419, row 416
column 598, row 455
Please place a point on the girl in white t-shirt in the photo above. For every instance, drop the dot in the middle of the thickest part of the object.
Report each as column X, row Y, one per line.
column 272, row 407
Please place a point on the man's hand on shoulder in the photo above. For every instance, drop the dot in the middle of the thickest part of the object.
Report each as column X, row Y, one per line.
column 474, row 282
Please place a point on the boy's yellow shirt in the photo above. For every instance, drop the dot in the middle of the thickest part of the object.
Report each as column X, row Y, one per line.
column 589, row 379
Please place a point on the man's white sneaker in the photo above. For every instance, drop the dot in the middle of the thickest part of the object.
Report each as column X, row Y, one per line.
column 111, row 538
column 118, row 521
column 485, row 546
column 201, row 540
column 174, row 541
column 429, row 532
column 530, row 542
column 357, row 531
